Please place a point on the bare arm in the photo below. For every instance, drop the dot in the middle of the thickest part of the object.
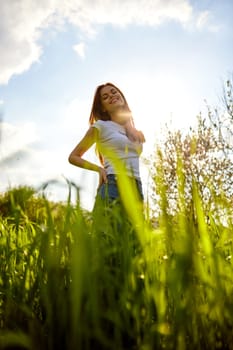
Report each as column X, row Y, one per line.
column 132, row 133
column 83, row 146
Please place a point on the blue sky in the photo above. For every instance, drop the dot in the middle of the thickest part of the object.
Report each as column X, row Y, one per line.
column 166, row 56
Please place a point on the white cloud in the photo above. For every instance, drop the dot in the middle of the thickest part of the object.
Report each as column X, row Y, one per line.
column 23, row 22
column 1, row 109
column 15, row 139
column 20, row 25
column 87, row 13
column 204, row 21
column 80, row 49
column 21, row 160
column 16, row 149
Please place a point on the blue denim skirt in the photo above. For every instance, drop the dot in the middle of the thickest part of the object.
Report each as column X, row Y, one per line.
column 110, row 189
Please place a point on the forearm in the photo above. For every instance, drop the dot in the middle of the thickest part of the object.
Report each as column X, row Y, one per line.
column 129, row 125
column 83, row 163
column 132, row 133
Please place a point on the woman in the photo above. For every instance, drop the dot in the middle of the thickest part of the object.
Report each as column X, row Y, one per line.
column 119, row 146
column 118, row 143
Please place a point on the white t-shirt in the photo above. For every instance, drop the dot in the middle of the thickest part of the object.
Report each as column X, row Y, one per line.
column 113, row 143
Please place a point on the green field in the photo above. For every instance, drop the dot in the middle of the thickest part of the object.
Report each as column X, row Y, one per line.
column 113, row 280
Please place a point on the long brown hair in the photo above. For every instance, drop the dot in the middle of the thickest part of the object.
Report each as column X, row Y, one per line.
column 97, row 109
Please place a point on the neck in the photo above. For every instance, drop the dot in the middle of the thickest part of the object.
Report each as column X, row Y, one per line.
column 120, row 117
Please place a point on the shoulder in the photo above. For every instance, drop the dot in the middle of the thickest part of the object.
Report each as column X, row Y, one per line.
column 99, row 124
column 107, row 124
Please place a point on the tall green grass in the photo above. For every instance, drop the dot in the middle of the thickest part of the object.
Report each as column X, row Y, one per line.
column 112, row 280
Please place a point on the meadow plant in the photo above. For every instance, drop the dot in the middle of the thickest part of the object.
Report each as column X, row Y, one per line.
column 113, row 280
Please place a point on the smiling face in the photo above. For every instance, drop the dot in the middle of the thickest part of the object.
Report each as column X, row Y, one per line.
column 111, row 99
column 109, row 103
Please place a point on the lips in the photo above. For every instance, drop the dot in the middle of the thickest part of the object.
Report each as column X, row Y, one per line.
column 114, row 99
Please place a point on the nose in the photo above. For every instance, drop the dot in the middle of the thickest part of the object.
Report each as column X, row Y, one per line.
column 112, row 96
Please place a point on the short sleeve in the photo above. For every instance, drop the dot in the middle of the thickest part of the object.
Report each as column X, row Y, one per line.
column 97, row 125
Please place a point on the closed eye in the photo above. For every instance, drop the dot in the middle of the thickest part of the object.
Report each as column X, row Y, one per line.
column 104, row 96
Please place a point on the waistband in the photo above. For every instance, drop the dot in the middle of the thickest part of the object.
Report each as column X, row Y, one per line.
column 131, row 178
